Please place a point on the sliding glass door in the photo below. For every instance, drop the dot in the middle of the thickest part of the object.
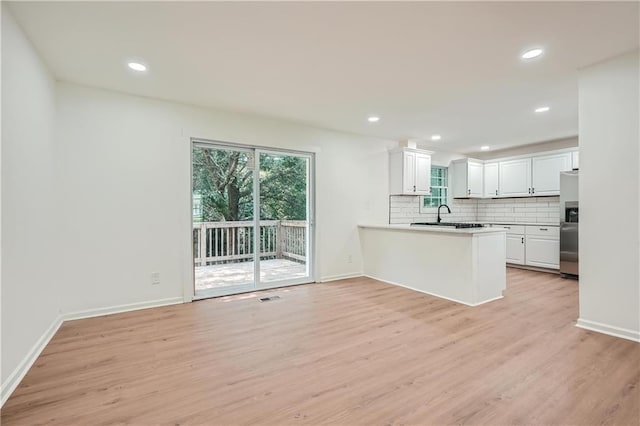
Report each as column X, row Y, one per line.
column 235, row 250
column 223, row 219
column 284, row 217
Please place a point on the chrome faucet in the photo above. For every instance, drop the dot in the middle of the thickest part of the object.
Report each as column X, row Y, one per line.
column 442, row 205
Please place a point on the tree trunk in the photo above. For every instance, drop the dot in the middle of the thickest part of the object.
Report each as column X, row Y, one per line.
column 233, row 194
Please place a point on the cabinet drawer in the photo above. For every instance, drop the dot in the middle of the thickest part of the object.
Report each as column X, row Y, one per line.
column 511, row 229
column 544, row 231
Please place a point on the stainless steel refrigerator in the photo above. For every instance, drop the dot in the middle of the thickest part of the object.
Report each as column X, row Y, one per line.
column 569, row 220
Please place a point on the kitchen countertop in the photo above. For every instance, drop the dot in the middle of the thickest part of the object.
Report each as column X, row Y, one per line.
column 519, row 223
column 433, row 228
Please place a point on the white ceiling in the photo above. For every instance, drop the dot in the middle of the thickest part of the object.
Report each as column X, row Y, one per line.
column 448, row 68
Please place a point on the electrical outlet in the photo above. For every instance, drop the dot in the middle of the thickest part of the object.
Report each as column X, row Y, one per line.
column 155, row 278
column 350, row 259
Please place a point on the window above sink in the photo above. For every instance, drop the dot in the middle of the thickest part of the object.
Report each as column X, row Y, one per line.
column 439, row 189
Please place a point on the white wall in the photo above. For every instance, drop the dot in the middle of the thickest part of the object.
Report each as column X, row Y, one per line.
column 125, row 174
column 609, row 224
column 29, row 253
column 527, row 149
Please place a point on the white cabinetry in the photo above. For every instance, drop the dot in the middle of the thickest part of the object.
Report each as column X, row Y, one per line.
column 515, row 178
column 491, row 179
column 409, row 172
column 515, row 243
column 423, row 173
column 467, row 176
column 543, row 246
column 546, row 173
column 533, row 245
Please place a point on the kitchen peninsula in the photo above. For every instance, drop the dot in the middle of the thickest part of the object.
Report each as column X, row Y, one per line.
column 463, row 265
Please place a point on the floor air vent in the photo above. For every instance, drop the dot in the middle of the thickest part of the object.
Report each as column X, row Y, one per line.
column 269, row 299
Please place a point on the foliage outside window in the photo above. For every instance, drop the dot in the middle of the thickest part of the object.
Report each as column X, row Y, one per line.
column 197, row 207
column 223, row 186
column 439, row 188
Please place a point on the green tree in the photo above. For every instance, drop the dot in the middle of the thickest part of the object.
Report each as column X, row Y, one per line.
column 224, row 180
column 283, row 187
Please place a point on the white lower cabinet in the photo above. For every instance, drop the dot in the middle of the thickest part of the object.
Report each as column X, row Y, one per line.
column 533, row 245
column 543, row 252
column 543, row 246
column 515, row 243
column 515, row 249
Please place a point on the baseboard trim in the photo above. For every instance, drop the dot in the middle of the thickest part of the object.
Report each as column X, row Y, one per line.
column 611, row 330
column 341, row 277
column 14, row 379
column 533, row 268
column 433, row 294
column 22, row 369
column 99, row 312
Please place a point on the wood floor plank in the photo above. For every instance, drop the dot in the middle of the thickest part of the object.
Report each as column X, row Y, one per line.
column 350, row 352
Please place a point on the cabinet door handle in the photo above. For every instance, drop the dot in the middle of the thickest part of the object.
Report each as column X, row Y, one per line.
column 544, row 229
column 496, row 192
column 522, row 240
column 469, row 191
column 507, row 227
column 533, row 190
column 529, row 190
column 414, row 188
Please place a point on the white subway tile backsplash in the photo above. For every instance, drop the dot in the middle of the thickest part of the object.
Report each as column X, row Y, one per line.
column 406, row 209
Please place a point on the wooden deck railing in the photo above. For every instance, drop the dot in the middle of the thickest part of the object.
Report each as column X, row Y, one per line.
column 230, row 242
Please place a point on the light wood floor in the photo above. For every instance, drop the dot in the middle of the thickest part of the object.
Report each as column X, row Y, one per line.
column 350, row 352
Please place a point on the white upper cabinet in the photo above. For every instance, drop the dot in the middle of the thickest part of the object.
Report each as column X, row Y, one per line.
column 409, row 172
column 575, row 165
column 531, row 176
column 423, row 173
column 491, row 179
column 546, row 173
column 467, row 178
column 515, row 178
column 475, row 179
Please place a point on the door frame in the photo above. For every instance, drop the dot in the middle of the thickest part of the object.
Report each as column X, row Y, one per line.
column 310, row 243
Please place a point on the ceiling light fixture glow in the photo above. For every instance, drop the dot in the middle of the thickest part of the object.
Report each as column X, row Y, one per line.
column 373, row 119
column 436, row 137
column 137, row 66
column 532, row 53
column 485, row 148
column 542, row 109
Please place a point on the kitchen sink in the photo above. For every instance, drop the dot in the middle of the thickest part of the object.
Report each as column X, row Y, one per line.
column 451, row 224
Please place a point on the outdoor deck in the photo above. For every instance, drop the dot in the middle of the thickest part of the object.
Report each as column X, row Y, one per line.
column 232, row 274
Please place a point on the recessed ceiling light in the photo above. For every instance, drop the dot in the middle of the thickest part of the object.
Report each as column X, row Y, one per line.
column 137, row 66
column 373, row 119
column 485, row 147
column 542, row 109
column 532, row 53
column 436, row 137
